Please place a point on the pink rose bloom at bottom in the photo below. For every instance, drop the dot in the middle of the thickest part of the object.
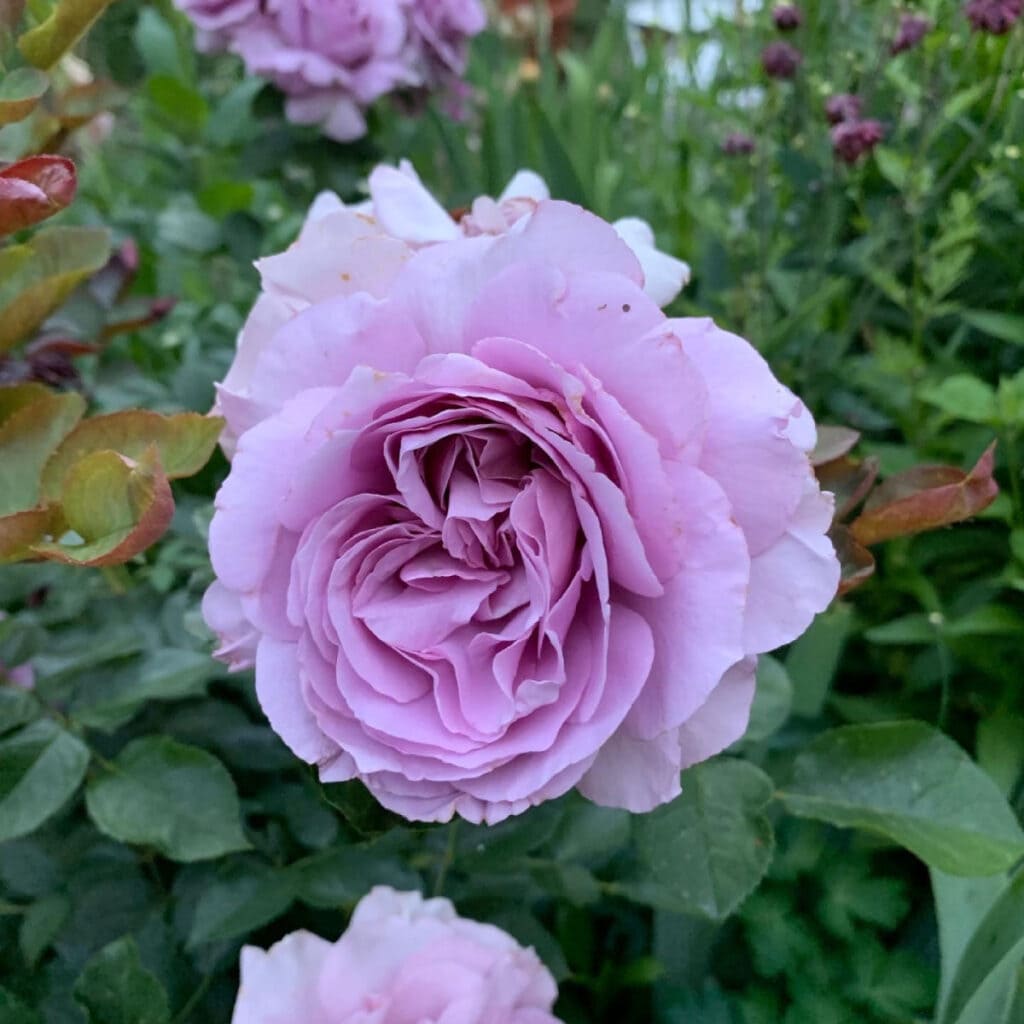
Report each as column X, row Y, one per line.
column 403, row 960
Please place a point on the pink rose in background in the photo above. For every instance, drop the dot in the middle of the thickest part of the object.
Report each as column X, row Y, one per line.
column 495, row 526
column 333, row 58
column 403, row 960
column 214, row 19
column 343, row 250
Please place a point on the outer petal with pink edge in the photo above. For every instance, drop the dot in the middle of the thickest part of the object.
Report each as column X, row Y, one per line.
column 639, row 775
column 444, row 282
column 698, row 623
column 754, row 432
column 796, row 578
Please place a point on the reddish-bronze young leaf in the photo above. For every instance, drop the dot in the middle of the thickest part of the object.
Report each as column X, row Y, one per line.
column 833, row 443
column 117, row 506
column 32, row 190
column 857, row 564
column 20, row 530
column 925, row 498
column 849, row 480
column 35, row 278
column 135, row 314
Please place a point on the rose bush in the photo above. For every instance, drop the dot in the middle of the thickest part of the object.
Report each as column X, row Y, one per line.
column 496, row 527
column 403, row 960
column 332, row 60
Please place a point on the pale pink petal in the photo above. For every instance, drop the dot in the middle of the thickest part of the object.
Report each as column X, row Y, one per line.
column 280, row 695
column 698, row 624
column 405, row 209
column 223, row 613
column 723, row 718
column 664, row 275
column 794, row 579
column 748, row 448
column 525, row 184
column 279, row 985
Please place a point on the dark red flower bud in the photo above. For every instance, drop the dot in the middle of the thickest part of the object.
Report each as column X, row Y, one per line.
column 780, row 60
column 738, row 144
column 852, row 140
column 843, row 106
column 912, row 29
column 787, row 17
column 996, row 17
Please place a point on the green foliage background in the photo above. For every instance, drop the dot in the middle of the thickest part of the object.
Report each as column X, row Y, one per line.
column 152, row 823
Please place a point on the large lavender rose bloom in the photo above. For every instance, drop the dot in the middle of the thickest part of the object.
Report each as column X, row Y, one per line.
column 496, row 527
column 333, row 58
column 403, row 960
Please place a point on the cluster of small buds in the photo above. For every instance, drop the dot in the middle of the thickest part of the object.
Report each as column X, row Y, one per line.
column 912, row 29
column 995, row 17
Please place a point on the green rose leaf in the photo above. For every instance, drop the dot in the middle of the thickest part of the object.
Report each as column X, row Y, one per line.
column 184, row 443
column 249, row 895
column 35, row 278
column 41, row 766
column 14, row 1011
column 340, row 877
column 114, row 988
column 960, row 905
column 773, row 700
column 119, row 692
column 990, row 962
column 17, row 706
column 963, row 397
column 706, row 851
column 176, row 798
column 117, row 507
column 41, row 925
column 912, row 784
column 20, row 530
column 20, row 91
column 30, row 433
column 44, row 45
